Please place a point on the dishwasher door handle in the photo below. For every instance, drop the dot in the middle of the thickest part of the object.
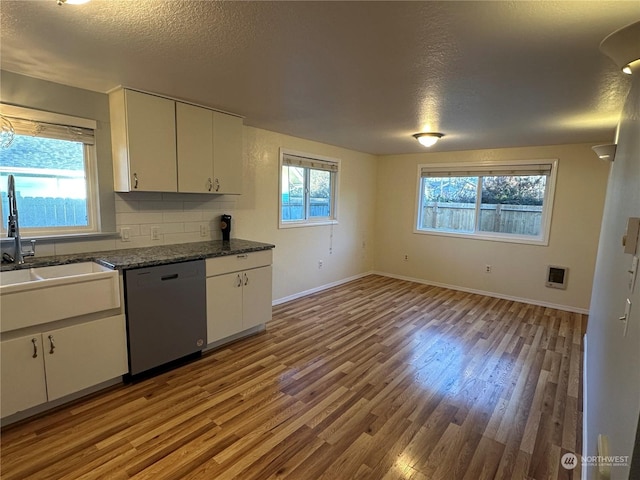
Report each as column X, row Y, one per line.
column 169, row 277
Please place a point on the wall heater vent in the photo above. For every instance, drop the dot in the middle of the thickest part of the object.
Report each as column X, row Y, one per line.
column 557, row 277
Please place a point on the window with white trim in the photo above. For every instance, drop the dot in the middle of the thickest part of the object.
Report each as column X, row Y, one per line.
column 52, row 158
column 308, row 186
column 505, row 201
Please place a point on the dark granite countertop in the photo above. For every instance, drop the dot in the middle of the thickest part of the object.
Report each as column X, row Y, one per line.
column 150, row 256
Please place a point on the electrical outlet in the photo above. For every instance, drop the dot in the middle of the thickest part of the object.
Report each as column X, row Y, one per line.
column 320, row 263
column 487, row 268
column 125, row 234
column 155, row 233
column 203, row 230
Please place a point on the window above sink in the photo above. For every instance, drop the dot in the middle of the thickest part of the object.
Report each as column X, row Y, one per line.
column 53, row 160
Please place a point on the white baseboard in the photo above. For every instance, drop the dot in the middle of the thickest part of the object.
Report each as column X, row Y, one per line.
column 319, row 289
column 567, row 308
column 295, row 296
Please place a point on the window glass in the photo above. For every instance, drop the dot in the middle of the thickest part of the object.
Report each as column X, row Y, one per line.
column 292, row 193
column 512, row 204
column 52, row 189
column 319, row 193
column 501, row 201
column 449, row 203
column 308, row 186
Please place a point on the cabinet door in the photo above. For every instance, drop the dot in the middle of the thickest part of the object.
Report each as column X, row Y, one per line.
column 194, row 127
column 151, row 136
column 224, row 306
column 22, row 374
column 84, row 355
column 227, row 153
column 256, row 297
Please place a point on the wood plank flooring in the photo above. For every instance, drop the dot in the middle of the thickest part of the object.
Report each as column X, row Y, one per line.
column 375, row 379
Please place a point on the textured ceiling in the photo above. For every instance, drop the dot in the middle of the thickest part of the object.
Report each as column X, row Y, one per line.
column 362, row 75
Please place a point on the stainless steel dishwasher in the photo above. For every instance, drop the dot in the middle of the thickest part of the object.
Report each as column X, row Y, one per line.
column 166, row 313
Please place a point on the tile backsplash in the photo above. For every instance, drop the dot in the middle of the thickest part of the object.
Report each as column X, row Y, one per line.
column 176, row 217
column 173, row 217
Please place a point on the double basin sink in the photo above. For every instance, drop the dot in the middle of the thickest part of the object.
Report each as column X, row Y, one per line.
column 37, row 295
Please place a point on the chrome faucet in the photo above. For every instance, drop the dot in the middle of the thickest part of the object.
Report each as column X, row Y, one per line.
column 13, row 230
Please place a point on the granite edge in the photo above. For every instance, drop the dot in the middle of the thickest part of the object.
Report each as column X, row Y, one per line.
column 149, row 256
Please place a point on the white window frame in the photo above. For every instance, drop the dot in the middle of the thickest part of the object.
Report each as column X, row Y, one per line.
column 22, row 117
column 307, row 159
column 491, row 168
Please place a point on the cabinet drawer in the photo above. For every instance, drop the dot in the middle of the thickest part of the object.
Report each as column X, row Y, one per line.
column 235, row 263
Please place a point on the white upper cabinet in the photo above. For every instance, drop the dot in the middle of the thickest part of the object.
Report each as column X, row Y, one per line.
column 227, row 153
column 143, row 137
column 162, row 145
column 194, row 126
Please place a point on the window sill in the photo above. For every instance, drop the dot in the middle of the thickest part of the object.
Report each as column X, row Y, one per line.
column 544, row 242
column 62, row 237
column 307, row 224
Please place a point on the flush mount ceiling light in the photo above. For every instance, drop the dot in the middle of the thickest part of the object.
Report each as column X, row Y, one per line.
column 623, row 47
column 428, row 139
column 72, row 2
column 605, row 152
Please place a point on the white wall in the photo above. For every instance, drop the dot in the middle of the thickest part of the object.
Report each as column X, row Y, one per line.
column 518, row 271
column 612, row 374
column 346, row 249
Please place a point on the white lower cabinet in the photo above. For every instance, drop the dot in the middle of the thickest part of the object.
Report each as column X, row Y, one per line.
column 52, row 364
column 256, row 297
column 224, row 306
column 84, row 355
column 22, row 374
column 238, row 300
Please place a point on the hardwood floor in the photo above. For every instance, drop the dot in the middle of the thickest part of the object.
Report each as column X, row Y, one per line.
column 375, row 379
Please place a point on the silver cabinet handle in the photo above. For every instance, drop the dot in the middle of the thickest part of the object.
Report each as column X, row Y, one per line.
column 217, row 184
column 244, row 255
column 246, row 279
column 135, row 180
column 53, row 346
column 35, row 348
column 239, row 281
column 209, row 184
